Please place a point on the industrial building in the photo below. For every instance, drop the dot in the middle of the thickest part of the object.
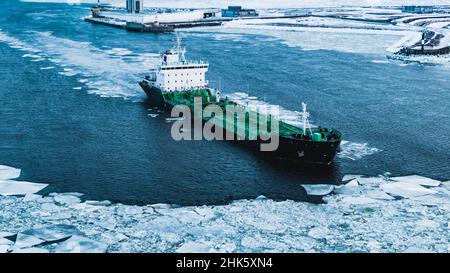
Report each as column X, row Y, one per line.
column 238, row 11
column 417, row 9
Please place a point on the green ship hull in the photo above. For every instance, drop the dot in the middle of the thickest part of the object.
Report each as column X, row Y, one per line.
column 317, row 145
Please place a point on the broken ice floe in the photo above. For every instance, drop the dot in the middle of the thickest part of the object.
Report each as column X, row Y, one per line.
column 50, row 233
column 78, row 244
column 318, row 232
column 405, row 189
column 380, row 195
column 3, row 249
column 25, row 240
column 418, row 180
column 10, row 187
column 350, row 188
column 349, row 177
column 4, row 234
column 195, row 247
column 7, row 172
column 372, row 180
column 66, row 199
column 31, row 197
column 358, row 200
column 4, row 241
column 318, row 189
column 31, row 250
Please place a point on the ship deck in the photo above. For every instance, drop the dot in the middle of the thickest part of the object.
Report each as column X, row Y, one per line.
column 248, row 123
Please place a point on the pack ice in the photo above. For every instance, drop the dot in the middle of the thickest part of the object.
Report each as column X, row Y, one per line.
column 364, row 214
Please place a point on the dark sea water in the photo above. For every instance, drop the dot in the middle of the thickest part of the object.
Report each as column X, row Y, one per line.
column 72, row 114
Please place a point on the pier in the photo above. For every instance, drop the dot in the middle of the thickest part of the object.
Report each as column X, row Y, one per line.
column 153, row 27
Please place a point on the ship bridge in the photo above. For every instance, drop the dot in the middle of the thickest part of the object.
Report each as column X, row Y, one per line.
column 175, row 73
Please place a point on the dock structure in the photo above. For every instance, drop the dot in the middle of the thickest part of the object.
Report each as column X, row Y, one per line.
column 156, row 26
column 431, row 43
column 134, row 18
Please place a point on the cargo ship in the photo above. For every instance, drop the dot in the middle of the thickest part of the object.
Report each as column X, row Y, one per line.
column 177, row 81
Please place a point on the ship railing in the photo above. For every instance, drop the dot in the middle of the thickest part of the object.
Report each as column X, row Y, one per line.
column 151, row 78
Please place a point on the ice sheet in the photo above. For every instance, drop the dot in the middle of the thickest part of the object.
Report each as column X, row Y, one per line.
column 381, row 195
column 4, row 241
column 417, row 180
column 4, row 234
column 65, row 199
column 7, row 172
column 25, row 240
column 9, row 187
column 405, row 189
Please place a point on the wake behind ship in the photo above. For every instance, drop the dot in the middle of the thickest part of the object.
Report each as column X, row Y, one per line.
column 177, row 81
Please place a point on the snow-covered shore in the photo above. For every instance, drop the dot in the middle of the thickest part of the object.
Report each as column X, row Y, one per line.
column 253, row 3
column 377, row 214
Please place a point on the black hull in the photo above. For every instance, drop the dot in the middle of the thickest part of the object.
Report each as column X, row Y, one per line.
column 322, row 153
column 307, row 151
column 154, row 95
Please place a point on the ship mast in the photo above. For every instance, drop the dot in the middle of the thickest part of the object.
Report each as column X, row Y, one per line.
column 181, row 51
column 306, row 124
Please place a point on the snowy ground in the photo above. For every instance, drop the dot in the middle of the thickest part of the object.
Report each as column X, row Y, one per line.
column 377, row 214
column 257, row 3
column 359, row 30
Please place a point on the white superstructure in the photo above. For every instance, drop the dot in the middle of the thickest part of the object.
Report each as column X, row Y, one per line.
column 176, row 74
